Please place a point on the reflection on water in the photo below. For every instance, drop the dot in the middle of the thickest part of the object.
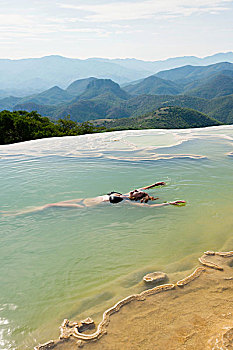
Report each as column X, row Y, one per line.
column 73, row 263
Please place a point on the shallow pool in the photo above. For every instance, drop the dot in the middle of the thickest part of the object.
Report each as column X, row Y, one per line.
column 73, row 263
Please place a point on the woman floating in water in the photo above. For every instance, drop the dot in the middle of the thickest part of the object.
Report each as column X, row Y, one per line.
column 136, row 197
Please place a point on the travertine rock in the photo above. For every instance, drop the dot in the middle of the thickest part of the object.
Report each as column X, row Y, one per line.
column 155, row 277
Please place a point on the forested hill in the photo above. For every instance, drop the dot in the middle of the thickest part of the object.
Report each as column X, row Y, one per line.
column 162, row 118
column 23, row 126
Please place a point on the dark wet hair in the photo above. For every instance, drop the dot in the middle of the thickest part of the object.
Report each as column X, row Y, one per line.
column 115, row 199
column 109, row 194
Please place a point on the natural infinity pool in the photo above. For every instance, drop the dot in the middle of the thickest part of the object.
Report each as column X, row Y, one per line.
column 73, row 263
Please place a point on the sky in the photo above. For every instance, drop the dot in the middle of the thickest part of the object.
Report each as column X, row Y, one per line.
column 145, row 29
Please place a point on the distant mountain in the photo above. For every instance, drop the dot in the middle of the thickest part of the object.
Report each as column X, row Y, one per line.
column 164, row 117
column 28, row 76
column 190, row 73
column 52, row 96
column 97, row 101
column 154, row 86
column 207, row 82
column 79, row 86
column 156, row 66
column 57, row 70
column 8, row 103
column 198, row 88
column 100, row 87
column 110, row 106
column 218, row 85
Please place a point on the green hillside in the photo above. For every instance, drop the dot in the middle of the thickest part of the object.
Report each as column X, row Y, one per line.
column 219, row 85
column 46, row 111
column 221, row 108
column 99, row 100
column 84, row 110
column 162, row 118
column 53, row 96
column 153, row 86
column 100, row 87
column 109, row 106
column 147, row 103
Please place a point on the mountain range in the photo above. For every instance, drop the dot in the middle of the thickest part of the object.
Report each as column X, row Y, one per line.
column 207, row 89
column 34, row 75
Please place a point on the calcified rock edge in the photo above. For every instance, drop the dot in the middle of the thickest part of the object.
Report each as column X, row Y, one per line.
column 72, row 336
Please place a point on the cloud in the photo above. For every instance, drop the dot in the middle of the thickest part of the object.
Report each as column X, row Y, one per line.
column 13, row 19
column 85, row 20
column 122, row 11
column 30, row 26
column 16, row 25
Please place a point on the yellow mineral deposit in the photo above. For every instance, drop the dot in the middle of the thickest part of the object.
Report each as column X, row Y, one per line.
column 191, row 277
column 198, row 316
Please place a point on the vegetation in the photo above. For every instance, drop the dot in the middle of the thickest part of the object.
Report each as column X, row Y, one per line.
column 219, row 85
column 53, row 96
column 154, row 86
column 221, row 108
column 23, row 126
column 162, row 118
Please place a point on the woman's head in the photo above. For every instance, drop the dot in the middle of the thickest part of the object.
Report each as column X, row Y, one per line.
column 115, row 198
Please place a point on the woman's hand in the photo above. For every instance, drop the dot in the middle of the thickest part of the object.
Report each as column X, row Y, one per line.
column 178, row 203
column 160, row 183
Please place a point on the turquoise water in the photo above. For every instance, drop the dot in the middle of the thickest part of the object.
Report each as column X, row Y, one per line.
column 73, row 263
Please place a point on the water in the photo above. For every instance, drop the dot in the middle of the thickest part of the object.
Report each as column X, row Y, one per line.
column 73, row 263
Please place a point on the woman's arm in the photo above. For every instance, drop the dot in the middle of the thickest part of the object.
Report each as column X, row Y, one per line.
column 160, row 205
column 178, row 203
column 149, row 205
column 147, row 187
column 153, row 185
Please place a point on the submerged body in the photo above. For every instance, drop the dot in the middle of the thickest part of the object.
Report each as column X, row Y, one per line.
column 114, row 197
column 131, row 197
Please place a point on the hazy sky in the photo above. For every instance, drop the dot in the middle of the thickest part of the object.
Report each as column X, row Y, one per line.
column 146, row 29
